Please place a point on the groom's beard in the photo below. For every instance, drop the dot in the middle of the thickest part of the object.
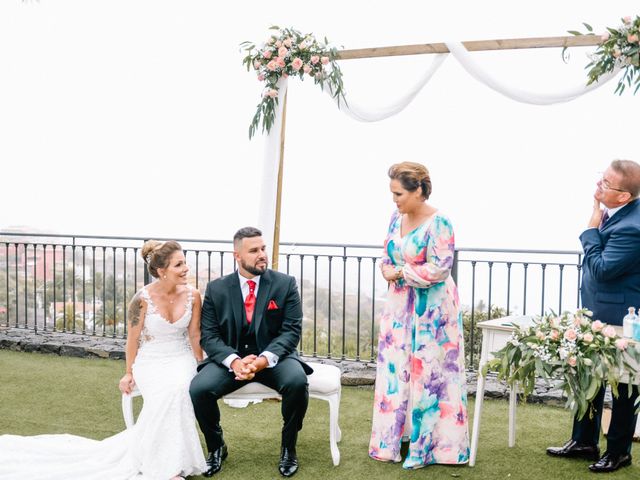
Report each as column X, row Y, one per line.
column 252, row 269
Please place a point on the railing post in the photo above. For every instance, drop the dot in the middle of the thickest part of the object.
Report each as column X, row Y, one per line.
column 454, row 267
column 146, row 278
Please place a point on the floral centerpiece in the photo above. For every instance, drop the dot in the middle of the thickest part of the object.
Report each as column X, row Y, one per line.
column 618, row 48
column 579, row 354
column 287, row 52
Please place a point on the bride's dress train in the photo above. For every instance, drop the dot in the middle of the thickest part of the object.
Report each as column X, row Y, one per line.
column 163, row 443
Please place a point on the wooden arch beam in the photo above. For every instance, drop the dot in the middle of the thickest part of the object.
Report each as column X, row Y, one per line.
column 473, row 46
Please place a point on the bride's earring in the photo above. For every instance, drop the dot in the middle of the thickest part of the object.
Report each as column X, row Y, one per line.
column 164, row 276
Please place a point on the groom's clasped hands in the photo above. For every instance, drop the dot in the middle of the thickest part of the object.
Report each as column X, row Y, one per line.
column 247, row 367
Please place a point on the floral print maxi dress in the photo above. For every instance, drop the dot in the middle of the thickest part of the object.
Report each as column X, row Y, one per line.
column 420, row 391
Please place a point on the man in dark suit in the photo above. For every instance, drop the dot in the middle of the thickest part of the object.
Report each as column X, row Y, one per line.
column 251, row 325
column 610, row 284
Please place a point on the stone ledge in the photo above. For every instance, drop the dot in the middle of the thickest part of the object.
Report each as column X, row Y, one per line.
column 353, row 373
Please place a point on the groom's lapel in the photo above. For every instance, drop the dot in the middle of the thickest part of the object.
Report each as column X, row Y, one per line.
column 263, row 295
column 237, row 304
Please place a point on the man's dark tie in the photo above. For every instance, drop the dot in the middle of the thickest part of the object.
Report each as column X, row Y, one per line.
column 605, row 217
column 250, row 301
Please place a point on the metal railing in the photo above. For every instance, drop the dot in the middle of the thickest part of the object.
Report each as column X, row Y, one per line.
column 81, row 284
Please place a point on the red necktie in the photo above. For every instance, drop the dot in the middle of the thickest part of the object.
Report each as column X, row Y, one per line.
column 605, row 217
column 250, row 301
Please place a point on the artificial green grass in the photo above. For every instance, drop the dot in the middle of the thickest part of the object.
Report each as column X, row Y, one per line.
column 51, row 394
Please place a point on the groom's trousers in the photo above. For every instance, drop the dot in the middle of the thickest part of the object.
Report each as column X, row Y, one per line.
column 214, row 381
column 623, row 421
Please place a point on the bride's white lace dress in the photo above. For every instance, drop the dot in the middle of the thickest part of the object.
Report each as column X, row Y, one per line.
column 164, row 441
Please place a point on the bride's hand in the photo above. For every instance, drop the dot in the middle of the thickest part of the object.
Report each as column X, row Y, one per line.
column 126, row 383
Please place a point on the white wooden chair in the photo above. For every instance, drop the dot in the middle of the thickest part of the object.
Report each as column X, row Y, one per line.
column 324, row 384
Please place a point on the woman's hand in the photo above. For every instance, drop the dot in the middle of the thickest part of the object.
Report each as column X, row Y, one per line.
column 127, row 383
column 390, row 273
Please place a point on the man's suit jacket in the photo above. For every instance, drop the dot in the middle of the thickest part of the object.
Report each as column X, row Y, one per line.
column 277, row 330
column 611, row 265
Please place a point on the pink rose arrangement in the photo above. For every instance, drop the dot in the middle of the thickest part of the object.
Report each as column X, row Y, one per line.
column 287, row 52
column 572, row 351
column 619, row 48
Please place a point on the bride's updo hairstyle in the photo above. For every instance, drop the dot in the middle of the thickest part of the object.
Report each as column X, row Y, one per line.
column 412, row 176
column 157, row 254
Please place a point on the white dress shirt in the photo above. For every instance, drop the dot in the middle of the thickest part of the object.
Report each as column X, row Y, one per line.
column 272, row 358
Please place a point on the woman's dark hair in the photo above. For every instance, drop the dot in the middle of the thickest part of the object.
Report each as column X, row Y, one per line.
column 412, row 176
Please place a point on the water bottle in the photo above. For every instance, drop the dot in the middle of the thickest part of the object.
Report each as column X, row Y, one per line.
column 635, row 329
column 628, row 323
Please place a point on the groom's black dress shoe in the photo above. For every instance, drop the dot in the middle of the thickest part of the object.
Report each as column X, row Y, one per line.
column 214, row 460
column 611, row 462
column 288, row 465
column 573, row 449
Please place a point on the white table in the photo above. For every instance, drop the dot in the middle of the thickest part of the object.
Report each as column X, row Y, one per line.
column 495, row 334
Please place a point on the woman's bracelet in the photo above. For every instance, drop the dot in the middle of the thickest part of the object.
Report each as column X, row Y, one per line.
column 399, row 274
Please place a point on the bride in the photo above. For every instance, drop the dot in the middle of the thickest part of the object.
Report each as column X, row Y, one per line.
column 163, row 347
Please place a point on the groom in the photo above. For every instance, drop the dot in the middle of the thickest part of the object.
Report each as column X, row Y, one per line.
column 251, row 324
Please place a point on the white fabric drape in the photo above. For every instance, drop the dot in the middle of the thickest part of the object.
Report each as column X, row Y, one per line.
column 266, row 218
column 269, row 188
column 465, row 58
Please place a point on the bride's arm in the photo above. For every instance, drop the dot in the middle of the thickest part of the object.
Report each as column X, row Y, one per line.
column 135, row 322
column 194, row 326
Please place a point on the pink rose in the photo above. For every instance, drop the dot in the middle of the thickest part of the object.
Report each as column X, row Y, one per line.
column 278, row 44
column 540, row 335
column 272, row 65
column 572, row 361
column 257, row 64
column 267, row 54
column 597, row 326
column 632, row 38
column 570, row 334
column 287, row 42
column 587, row 338
column 296, row 64
column 280, row 62
column 261, row 78
column 315, row 59
column 303, row 45
column 282, row 51
column 324, row 60
column 271, row 93
column 627, row 20
column 554, row 335
column 616, row 52
column 605, row 36
column 622, row 343
column 307, row 68
column 609, row 331
column 577, row 321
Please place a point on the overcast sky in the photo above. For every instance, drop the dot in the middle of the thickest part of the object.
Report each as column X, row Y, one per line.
column 127, row 117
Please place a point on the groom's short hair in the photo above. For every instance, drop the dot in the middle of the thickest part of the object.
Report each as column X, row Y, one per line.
column 245, row 232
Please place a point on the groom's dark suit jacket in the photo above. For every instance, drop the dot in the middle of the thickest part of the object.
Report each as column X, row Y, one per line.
column 277, row 329
column 611, row 265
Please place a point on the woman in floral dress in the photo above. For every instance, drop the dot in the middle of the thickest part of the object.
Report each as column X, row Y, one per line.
column 420, row 393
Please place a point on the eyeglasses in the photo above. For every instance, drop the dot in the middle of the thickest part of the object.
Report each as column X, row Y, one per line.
column 606, row 186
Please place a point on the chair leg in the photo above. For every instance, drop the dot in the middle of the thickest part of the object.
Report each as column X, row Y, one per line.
column 338, row 431
column 334, row 430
